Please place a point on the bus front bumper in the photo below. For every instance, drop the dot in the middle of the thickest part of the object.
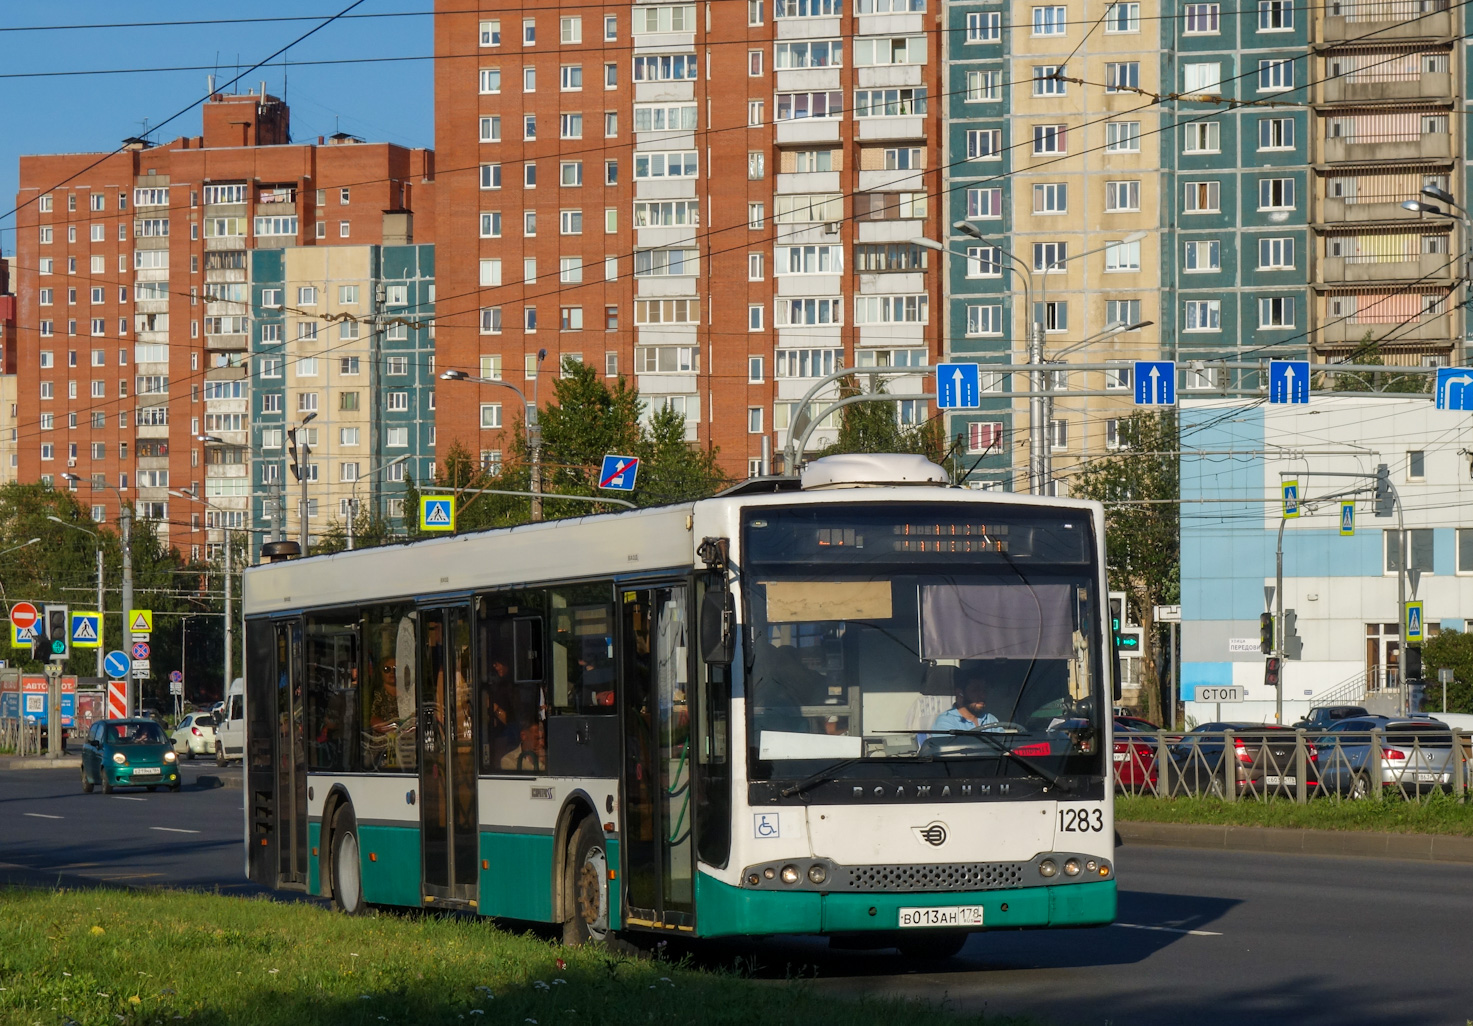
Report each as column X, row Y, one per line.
column 724, row 910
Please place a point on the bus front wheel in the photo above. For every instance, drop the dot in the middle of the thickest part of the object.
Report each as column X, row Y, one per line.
column 588, row 886
column 347, row 870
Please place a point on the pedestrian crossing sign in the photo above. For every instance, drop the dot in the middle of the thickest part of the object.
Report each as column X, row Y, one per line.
column 1291, row 499
column 1414, row 623
column 1347, row 518
column 437, row 512
column 22, row 637
column 87, row 630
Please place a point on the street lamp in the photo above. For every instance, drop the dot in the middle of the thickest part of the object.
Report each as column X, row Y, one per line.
column 101, row 608
column 1419, row 207
column 353, row 493
column 125, row 524
column 299, row 468
column 193, row 496
column 534, row 428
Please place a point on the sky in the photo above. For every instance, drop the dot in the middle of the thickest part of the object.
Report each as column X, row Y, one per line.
column 381, row 102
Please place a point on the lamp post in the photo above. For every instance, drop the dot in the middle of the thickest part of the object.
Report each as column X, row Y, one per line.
column 193, row 496
column 353, row 493
column 100, row 607
column 279, row 517
column 1444, row 196
column 534, row 428
column 125, row 524
column 300, row 452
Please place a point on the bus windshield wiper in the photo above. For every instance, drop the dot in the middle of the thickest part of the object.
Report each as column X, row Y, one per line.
column 825, row 774
column 1022, row 760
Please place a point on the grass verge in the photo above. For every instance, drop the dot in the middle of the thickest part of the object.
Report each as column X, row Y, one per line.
column 155, row 958
column 1435, row 814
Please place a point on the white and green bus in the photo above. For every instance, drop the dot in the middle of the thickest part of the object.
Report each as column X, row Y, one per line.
column 860, row 704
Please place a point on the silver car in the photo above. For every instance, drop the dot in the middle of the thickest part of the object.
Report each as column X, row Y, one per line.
column 195, row 735
column 1417, row 756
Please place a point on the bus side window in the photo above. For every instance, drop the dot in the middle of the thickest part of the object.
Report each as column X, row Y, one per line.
column 331, row 691
column 583, row 668
column 510, row 690
column 387, row 697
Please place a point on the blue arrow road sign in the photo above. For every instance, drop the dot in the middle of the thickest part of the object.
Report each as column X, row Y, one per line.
column 116, row 664
column 1453, row 392
column 618, row 473
column 1155, row 383
column 958, row 386
column 1288, row 381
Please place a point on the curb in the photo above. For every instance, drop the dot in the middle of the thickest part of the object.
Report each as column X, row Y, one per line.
column 210, row 780
column 40, row 762
column 1353, row 843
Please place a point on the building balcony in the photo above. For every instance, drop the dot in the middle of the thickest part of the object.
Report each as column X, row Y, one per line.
column 1403, row 21
column 1425, row 268
column 799, row 131
column 1431, row 86
column 1436, row 328
column 1336, row 210
column 886, row 128
column 1428, row 147
column 226, row 343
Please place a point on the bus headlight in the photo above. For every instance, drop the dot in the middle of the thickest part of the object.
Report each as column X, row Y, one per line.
column 1048, row 867
column 817, row 873
column 790, row 874
column 1071, row 867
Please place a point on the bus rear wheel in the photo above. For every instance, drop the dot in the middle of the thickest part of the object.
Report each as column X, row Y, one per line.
column 347, row 870
column 934, row 945
column 588, row 886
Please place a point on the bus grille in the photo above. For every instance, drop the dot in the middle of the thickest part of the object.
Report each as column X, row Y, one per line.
column 942, row 876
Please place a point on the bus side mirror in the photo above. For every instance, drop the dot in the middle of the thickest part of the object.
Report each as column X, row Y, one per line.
column 1114, row 669
column 718, row 629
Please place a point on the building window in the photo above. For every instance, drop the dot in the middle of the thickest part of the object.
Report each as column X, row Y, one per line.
column 1123, row 137
column 1275, row 254
column 1058, row 434
column 1417, row 465
column 1275, row 76
column 1125, row 312
column 1201, row 78
column 1053, row 315
column 1418, row 547
column 1275, row 133
column 984, row 144
column 1122, row 256
column 1122, row 196
column 754, row 316
column 754, row 369
column 490, row 416
column 570, row 30
column 1050, row 21
column 1202, row 19
column 1202, row 197
column 1122, row 77
column 1051, row 198
column 490, row 176
column 984, row 319
column 984, row 204
column 754, row 266
column 1122, row 17
column 1275, row 15
column 1050, row 139
column 984, row 85
column 1203, row 315
column 1465, row 550
column 984, row 28
column 1049, row 256
column 984, row 262
column 1201, row 137
column 1202, row 256
column 1276, row 194
column 1048, row 80
column 1276, row 312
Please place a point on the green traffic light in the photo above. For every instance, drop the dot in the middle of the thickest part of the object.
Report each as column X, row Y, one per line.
column 58, row 647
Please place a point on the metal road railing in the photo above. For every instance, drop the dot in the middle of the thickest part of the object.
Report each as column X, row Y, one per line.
column 1406, row 762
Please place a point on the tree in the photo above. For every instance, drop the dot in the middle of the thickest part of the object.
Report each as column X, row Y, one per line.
column 1450, row 650
column 1141, row 489
column 873, row 425
column 1369, row 352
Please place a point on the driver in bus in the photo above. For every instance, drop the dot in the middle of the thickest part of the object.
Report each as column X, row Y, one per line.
column 969, row 711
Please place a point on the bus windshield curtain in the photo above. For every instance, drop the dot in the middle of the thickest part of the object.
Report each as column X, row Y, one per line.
column 996, row 621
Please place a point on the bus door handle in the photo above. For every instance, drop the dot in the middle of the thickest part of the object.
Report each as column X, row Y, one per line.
column 580, row 733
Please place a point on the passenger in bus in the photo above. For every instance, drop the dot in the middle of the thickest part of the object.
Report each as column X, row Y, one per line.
column 384, row 714
column 531, row 755
column 968, row 712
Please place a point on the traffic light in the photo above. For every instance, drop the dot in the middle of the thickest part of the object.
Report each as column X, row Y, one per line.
column 1385, row 498
column 1271, row 671
column 1293, row 643
column 1414, row 663
column 291, row 448
column 1265, row 633
column 56, row 643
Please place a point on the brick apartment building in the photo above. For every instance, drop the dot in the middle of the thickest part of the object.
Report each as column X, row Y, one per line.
column 135, row 321
column 9, row 458
column 714, row 200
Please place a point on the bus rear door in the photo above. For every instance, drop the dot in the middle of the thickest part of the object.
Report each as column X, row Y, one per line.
column 447, row 756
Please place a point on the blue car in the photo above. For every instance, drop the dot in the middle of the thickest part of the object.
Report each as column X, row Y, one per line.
column 129, row 753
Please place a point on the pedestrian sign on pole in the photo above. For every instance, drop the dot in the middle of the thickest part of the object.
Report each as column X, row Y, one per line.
column 141, row 621
column 437, row 512
column 1291, row 499
column 22, row 637
column 1453, row 392
column 958, row 386
column 618, row 473
column 1155, row 383
column 1413, row 623
column 87, row 630
column 1288, row 381
column 1347, row 518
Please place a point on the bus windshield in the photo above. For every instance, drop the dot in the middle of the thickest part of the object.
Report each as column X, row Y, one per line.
column 939, row 634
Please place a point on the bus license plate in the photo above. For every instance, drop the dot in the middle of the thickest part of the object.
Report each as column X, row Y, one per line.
column 946, row 915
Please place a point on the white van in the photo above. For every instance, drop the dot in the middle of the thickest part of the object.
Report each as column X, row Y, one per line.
column 230, row 725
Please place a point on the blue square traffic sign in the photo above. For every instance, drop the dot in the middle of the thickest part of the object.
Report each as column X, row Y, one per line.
column 437, row 512
column 618, row 473
column 1453, row 392
column 958, row 386
column 1155, row 383
column 1288, row 381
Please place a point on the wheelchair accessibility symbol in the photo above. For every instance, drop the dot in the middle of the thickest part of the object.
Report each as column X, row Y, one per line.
column 766, row 824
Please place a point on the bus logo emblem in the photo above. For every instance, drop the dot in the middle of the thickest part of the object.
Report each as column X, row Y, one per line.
column 933, row 834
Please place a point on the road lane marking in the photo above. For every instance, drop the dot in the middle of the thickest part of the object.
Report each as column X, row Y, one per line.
column 122, row 876
column 40, row 815
column 174, row 830
column 129, row 798
column 1169, row 929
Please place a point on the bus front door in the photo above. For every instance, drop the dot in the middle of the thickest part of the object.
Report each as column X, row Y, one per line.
column 447, row 768
column 656, row 837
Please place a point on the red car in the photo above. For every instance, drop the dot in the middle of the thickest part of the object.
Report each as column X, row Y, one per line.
column 1134, row 759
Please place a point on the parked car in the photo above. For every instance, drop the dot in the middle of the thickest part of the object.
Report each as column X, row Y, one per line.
column 1135, row 723
column 128, row 753
column 1134, row 759
column 1322, row 717
column 195, row 735
column 1417, row 756
column 1264, row 760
